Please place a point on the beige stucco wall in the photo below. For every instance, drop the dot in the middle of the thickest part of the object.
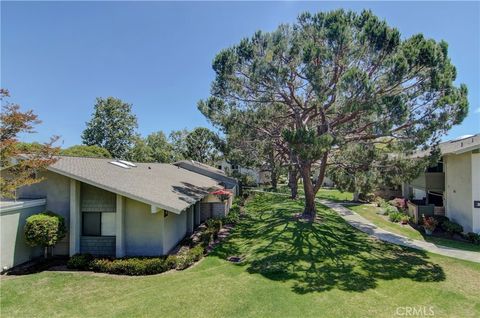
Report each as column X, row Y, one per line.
column 13, row 247
column 175, row 229
column 458, row 189
column 143, row 235
column 58, row 200
column 476, row 190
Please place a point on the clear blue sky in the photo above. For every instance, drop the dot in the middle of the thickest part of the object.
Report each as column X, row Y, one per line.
column 58, row 56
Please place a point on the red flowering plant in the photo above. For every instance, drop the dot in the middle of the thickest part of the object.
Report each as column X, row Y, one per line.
column 429, row 224
column 222, row 194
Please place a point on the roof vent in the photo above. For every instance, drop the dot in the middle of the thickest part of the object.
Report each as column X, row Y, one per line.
column 119, row 164
column 128, row 163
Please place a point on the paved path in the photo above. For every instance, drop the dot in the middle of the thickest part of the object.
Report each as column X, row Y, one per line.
column 368, row 227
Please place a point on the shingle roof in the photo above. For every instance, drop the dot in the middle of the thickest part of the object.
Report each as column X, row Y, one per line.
column 167, row 186
column 201, row 166
column 455, row 146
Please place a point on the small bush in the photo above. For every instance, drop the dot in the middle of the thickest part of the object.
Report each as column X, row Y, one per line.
column 452, row 227
column 44, row 229
column 405, row 219
column 80, row 262
column 440, row 219
column 214, row 224
column 132, row 266
column 429, row 223
column 233, row 215
column 187, row 257
column 379, row 201
column 473, row 237
column 395, row 216
column 206, row 237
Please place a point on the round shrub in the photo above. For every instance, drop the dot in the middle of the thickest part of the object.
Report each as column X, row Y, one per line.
column 44, row 229
column 80, row 262
column 473, row 237
column 441, row 219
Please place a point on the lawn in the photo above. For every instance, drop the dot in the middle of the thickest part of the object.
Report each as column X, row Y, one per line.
column 290, row 269
column 323, row 193
column 371, row 213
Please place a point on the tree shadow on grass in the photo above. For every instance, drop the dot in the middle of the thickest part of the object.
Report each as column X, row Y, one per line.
column 318, row 256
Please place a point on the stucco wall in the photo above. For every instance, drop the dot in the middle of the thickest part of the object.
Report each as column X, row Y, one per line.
column 175, row 229
column 458, row 189
column 56, row 189
column 143, row 235
column 13, row 248
column 476, row 190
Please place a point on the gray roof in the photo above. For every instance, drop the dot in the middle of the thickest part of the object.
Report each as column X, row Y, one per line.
column 163, row 185
column 454, row 147
column 212, row 171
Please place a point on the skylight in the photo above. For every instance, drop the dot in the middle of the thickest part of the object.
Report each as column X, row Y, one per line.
column 128, row 163
column 119, row 164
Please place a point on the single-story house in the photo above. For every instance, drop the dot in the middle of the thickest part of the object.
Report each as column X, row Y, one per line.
column 209, row 171
column 452, row 187
column 118, row 208
column 261, row 175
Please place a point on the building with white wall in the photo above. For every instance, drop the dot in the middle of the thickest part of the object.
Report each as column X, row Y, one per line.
column 453, row 186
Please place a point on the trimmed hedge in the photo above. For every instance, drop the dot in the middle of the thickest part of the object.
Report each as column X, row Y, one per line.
column 133, row 266
column 80, row 262
column 189, row 257
column 452, row 227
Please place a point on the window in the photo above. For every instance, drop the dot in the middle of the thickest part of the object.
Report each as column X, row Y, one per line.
column 92, row 223
column 98, row 224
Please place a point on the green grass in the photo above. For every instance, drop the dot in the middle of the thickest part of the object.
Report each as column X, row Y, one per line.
column 323, row 193
column 371, row 213
column 290, row 269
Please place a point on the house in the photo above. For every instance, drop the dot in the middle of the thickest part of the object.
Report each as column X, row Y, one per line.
column 209, row 171
column 452, row 187
column 260, row 175
column 118, row 208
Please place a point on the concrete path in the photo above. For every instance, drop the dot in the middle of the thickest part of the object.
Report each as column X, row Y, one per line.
column 368, row 227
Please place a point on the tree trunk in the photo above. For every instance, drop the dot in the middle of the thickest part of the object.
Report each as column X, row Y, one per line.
column 293, row 182
column 356, row 196
column 274, row 178
column 45, row 252
column 310, row 210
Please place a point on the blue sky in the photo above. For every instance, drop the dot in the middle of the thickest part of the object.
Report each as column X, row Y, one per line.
column 57, row 57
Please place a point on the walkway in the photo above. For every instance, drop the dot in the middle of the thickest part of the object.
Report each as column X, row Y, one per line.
column 368, row 227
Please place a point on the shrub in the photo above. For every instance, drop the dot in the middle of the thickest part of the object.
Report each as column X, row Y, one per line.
column 398, row 202
column 405, row 218
column 44, row 229
column 215, row 224
column 80, row 262
column 206, row 237
column 452, row 227
column 187, row 257
column 473, row 237
column 441, row 219
column 429, row 223
column 132, row 266
column 233, row 215
column 395, row 216
column 379, row 201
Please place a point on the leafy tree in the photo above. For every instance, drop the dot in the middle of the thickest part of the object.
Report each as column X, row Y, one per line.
column 44, row 229
column 112, row 126
column 202, row 145
column 140, row 151
column 161, row 148
column 20, row 161
column 343, row 78
column 86, row 151
column 178, row 141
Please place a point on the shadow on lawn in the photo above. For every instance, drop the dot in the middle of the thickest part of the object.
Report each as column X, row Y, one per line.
column 320, row 256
